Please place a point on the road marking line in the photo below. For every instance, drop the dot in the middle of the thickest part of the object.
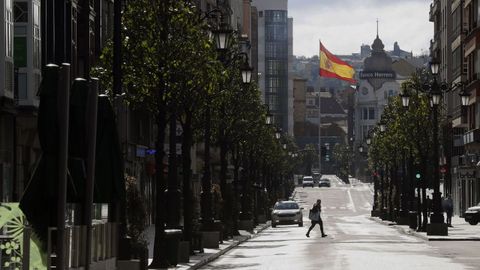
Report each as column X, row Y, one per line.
column 351, row 201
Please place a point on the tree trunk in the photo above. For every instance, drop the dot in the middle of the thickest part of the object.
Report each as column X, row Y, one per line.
column 226, row 192
column 187, row 141
column 159, row 250
column 160, row 247
column 172, row 192
column 236, row 189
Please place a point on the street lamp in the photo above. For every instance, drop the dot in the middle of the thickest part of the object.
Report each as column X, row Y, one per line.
column 246, row 71
column 369, row 140
column 222, row 36
column 465, row 97
column 268, row 119
column 382, row 126
column 434, row 67
column 405, row 99
column 278, row 134
column 360, row 149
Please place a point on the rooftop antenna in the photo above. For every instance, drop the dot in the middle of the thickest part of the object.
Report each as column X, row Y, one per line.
column 377, row 27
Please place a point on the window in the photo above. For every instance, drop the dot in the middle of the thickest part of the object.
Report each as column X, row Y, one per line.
column 476, row 68
column 8, row 29
column 260, row 14
column 107, row 20
column 275, row 67
column 365, row 114
column 457, row 62
column 371, row 113
column 22, row 86
column 276, row 16
column 8, row 76
column 20, row 50
column 456, row 24
column 311, row 102
column 20, row 12
column 36, row 37
column 272, row 102
column 275, row 50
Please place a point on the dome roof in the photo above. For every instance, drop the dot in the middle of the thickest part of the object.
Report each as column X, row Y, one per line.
column 378, row 45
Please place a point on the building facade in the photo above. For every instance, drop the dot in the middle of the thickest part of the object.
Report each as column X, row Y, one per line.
column 7, row 104
column 465, row 64
column 274, row 60
column 377, row 83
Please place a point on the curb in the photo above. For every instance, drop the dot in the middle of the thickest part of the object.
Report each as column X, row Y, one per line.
column 215, row 256
column 408, row 231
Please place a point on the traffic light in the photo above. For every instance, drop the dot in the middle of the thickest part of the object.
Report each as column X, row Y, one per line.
column 418, row 176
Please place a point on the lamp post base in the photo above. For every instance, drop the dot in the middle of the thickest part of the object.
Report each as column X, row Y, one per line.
column 246, row 224
column 437, row 229
column 436, row 218
column 402, row 218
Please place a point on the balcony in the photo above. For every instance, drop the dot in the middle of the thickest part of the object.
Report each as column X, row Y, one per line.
column 472, row 136
column 434, row 9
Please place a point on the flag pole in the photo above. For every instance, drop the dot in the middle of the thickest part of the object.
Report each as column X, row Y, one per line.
column 319, row 119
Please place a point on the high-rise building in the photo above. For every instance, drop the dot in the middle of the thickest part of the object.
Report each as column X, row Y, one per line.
column 274, row 60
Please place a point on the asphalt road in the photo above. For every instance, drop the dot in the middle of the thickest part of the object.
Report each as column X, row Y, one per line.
column 353, row 241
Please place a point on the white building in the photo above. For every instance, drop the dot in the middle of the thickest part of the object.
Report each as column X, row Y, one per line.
column 376, row 85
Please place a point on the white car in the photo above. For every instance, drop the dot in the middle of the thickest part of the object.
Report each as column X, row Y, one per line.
column 308, row 181
column 287, row 212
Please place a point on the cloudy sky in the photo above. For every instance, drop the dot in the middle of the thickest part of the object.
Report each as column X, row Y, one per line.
column 343, row 25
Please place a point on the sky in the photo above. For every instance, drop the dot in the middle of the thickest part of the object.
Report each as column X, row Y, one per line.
column 344, row 25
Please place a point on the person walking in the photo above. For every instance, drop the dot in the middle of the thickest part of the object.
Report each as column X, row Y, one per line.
column 315, row 217
column 448, row 208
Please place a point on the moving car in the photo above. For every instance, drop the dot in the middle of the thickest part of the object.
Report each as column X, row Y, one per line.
column 308, row 181
column 324, row 182
column 472, row 215
column 287, row 212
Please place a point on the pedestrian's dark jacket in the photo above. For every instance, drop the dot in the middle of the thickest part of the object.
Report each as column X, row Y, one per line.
column 316, row 208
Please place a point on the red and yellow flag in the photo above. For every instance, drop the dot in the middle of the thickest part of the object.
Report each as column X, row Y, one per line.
column 332, row 67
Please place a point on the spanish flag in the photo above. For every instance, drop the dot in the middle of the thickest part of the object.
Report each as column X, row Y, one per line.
column 332, row 67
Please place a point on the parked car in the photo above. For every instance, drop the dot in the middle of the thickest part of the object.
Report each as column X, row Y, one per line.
column 472, row 215
column 324, row 182
column 287, row 212
column 308, row 181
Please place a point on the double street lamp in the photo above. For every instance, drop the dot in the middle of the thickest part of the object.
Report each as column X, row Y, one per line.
column 435, row 91
column 222, row 36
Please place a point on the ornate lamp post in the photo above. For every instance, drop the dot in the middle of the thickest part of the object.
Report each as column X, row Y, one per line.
column 221, row 37
column 435, row 92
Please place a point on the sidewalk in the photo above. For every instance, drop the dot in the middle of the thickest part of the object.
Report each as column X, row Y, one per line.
column 461, row 231
column 200, row 259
